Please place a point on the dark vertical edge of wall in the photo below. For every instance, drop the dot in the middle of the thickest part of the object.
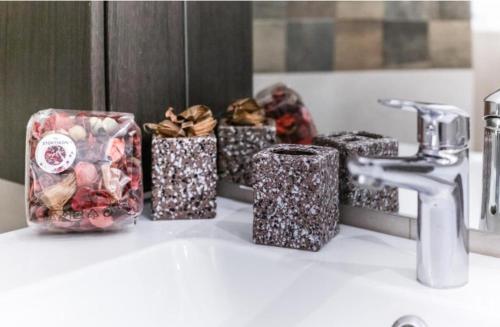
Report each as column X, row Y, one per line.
column 45, row 59
column 97, row 55
column 219, row 48
column 146, row 68
column 3, row 88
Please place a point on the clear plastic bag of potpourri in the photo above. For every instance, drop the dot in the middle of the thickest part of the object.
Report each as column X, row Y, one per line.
column 83, row 170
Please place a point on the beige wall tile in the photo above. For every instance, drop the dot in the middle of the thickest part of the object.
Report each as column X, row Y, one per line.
column 269, row 46
column 450, row 43
column 360, row 9
column 311, row 9
column 358, row 45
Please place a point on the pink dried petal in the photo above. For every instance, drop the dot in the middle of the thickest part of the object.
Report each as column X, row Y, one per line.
column 115, row 149
column 86, row 174
column 135, row 172
column 87, row 197
column 37, row 130
column 49, row 123
column 114, row 180
column 63, row 121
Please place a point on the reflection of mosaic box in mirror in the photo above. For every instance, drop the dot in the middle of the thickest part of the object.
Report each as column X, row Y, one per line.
column 236, row 147
column 362, row 144
column 356, row 35
column 296, row 203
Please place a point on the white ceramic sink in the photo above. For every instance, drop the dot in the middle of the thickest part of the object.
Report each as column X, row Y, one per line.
column 209, row 273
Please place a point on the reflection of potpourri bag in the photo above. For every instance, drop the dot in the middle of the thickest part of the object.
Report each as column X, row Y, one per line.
column 294, row 123
column 83, row 170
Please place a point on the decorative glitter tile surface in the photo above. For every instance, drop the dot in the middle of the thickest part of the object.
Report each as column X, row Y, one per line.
column 236, row 147
column 184, row 177
column 296, row 201
column 362, row 144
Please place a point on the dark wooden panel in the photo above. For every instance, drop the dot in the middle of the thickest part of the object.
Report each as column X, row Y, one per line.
column 97, row 55
column 219, row 52
column 45, row 58
column 146, row 62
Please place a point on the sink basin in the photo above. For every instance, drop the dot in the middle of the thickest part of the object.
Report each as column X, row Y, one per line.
column 209, row 273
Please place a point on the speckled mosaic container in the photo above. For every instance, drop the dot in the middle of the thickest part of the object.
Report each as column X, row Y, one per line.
column 236, row 147
column 184, row 177
column 362, row 144
column 296, row 202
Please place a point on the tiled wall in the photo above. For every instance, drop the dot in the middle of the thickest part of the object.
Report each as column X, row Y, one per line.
column 346, row 35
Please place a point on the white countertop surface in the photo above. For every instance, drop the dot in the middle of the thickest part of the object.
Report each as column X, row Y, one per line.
column 209, row 273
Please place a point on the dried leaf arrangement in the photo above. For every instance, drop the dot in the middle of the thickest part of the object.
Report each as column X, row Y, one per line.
column 194, row 121
column 245, row 112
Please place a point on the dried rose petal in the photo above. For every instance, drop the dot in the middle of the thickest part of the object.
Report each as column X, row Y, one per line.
column 115, row 149
column 87, row 197
column 37, row 130
column 86, row 174
column 137, row 144
column 135, row 173
column 49, row 123
column 114, row 180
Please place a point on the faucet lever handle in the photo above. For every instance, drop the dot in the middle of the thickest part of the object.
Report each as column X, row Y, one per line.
column 492, row 105
column 440, row 126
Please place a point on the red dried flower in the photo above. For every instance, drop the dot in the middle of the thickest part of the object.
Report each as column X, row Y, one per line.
column 86, row 197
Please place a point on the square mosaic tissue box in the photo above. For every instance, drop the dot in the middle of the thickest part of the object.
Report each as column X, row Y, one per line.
column 184, row 177
column 362, row 144
column 296, row 203
column 236, row 146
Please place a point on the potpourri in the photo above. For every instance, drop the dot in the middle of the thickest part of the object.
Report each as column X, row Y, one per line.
column 83, row 170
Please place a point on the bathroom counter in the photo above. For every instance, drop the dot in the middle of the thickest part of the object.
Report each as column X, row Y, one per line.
column 209, row 273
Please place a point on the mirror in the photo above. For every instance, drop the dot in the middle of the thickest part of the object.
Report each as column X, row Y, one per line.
column 340, row 57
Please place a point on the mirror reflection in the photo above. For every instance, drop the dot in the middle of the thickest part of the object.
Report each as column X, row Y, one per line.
column 341, row 57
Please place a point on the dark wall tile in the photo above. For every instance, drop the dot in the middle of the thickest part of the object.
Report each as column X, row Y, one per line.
column 410, row 10
column 405, row 44
column 309, row 46
column 313, row 9
column 269, row 9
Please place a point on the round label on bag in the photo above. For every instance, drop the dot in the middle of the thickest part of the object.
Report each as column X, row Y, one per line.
column 55, row 153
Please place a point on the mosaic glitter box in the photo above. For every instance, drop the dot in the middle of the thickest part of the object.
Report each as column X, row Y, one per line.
column 362, row 144
column 184, row 177
column 296, row 201
column 236, row 147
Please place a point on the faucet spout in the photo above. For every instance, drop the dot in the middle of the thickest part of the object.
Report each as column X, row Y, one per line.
column 414, row 173
column 441, row 180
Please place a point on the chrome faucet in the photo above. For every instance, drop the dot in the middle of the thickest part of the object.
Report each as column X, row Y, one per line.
column 490, row 211
column 439, row 172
